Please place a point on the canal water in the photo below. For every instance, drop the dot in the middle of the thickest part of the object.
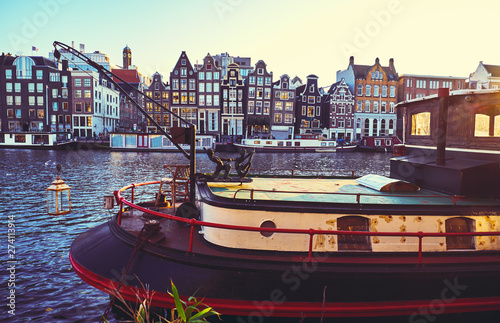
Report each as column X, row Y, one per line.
column 46, row 289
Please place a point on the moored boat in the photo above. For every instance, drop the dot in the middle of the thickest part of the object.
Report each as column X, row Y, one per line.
column 293, row 145
column 301, row 246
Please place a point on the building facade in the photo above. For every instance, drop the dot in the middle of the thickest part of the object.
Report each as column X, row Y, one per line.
column 260, row 87
column 209, row 107
column 311, row 116
column 411, row 86
column 341, row 106
column 375, row 89
column 183, row 83
column 34, row 95
column 283, row 108
column 233, row 103
column 159, row 92
column 485, row 76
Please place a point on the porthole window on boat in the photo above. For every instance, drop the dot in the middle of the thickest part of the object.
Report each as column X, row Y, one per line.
column 459, row 224
column 353, row 242
column 267, row 224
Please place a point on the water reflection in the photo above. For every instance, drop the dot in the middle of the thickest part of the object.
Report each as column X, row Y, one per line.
column 47, row 290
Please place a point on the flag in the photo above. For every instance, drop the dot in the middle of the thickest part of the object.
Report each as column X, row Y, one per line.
column 33, row 48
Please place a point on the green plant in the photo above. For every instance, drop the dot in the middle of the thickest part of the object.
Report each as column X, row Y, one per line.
column 189, row 312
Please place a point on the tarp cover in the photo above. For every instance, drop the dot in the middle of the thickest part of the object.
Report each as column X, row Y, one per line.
column 386, row 184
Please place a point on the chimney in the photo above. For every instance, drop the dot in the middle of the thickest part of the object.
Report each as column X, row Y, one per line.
column 377, row 61
column 65, row 65
column 351, row 60
column 391, row 64
column 82, row 48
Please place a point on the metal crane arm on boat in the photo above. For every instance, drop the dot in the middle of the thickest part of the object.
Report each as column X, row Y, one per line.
column 105, row 73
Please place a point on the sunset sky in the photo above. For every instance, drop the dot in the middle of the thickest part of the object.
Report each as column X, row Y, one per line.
column 292, row 37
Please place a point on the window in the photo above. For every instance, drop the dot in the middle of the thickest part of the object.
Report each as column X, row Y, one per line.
column 277, row 118
column 260, row 71
column 209, row 87
column 367, row 106
column 368, row 90
column 267, row 107
column 201, row 75
column 55, row 77
column 209, row 99
column 201, row 99
column 268, row 81
column 384, row 91
column 209, row 75
column 17, row 100
column 8, row 87
column 278, row 105
column 311, row 99
column 288, row 118
column 375, row 106
column 39, row 87
column 376, row 90
column 459, row 224
column 393, row 91
column 259, row 93
column 31, row 100
column 360, row 89
column 310, row 111
column 78, row 94
column 183, row 61
column 486, row 125
column 184, row 98
column 31, row 87
column 359, row 108
column 86, row 82
column 267, row 93
column 175, row 97
column 260, row 80
column 88, row 107
column 17, row 87
column 8, row 74
column 87, row 94
column 192, row 98
column 39, row 100
column 284, row 95
column 78, row 107
column 251, row 107
column 258, row 107
column 175, row 84
column 192, row 84
column 10, row 113
column 39, row 75
column 184, row 85
column 24, row 67
column 289, row 106
column 353, row 242
column 251, row 92
column 183, row 71
column 421, row 124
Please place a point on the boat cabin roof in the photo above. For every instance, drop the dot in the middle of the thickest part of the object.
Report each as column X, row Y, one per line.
column 334, row 191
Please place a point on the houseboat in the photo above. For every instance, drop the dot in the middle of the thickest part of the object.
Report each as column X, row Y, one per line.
column 153, row 142
column 303, row 247
column 260, row 247
column 301, row 143
column 36, row 140
column 378, row 143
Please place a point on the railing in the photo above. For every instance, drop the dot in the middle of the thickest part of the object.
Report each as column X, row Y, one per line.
column 311, row 232
column 252, row 191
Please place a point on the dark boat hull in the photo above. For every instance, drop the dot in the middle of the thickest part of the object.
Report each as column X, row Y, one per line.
column 289, row 286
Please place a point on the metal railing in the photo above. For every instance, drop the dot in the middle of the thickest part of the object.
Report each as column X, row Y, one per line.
column 121, row 201
column 454, row 198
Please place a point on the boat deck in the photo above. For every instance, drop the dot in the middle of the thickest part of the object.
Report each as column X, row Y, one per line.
column 334, row 191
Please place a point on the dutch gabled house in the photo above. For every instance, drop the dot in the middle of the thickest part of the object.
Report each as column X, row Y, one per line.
column 283, row 108
column 183, row 84
column 209, row 104
column 159, row 92
column 34, row 96
column 260, row 86
column 233, row 105
column 310, row 112
column 340, row 102
column 375, row 88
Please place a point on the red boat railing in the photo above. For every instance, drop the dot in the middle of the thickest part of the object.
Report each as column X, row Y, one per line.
column 311, row 232
column 358, row 196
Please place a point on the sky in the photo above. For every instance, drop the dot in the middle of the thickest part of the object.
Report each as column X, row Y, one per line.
column 298, row 38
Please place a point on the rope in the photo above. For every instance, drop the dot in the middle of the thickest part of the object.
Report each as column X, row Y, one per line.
column 138, row 245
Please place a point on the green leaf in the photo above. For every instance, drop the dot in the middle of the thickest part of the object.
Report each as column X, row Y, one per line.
column 202, row 314
column 104, row 318
column 178, row 303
